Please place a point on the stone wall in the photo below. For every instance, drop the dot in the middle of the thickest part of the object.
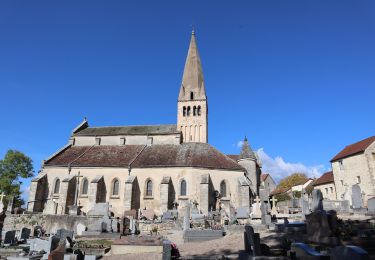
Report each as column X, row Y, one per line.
column 328, row 190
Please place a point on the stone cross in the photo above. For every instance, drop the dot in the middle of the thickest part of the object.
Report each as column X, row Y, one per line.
column 273, row 210
column 1, row 196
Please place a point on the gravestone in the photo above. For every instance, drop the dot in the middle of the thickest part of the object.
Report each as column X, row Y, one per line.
column 273, row 210
column 64, row 233
column 356, row 197
column 167, row 215
column 148, row 214
column 242, row 213
column 187, row 217
column 25, row 233
column 371, row 205
column 10, row 205
column 9, row 237
column 130, row 213
column 317, row 200
column 99, row 209
column 80, row 229
column 255, row 212
column 1, row 202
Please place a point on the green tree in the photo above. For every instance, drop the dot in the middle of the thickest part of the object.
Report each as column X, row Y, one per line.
column 13, row 168
column 282, row 197
column 292, row 180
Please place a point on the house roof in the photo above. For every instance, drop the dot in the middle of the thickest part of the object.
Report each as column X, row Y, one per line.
column 127, row 130
column 279, row 191
column 139, row 156
column 355, row 148
column 264, row 176
column 325, row 178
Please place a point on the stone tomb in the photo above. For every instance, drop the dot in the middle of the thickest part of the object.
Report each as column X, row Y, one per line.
column 63, row 234
column 25, row 234
column 137, row 244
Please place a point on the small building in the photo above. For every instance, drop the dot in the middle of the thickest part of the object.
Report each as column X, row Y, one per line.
column 267, row 183
column 302, row 185
column 354, row 171
column 326, row 185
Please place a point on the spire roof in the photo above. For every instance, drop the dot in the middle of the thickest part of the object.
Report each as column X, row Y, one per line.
column 246, row 151
column 192, row 79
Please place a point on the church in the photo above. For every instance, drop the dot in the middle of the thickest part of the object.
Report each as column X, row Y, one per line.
column 157, row 167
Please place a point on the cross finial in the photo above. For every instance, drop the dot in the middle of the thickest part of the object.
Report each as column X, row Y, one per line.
column 192, row 29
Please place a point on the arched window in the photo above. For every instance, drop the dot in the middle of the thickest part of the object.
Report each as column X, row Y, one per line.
column 149, row 188
column 194, row 111
column 183, row 188
column 191, row 95
column 184, row 111
column 85, row 187
column 188, row 111
column 56, row 190
column 223, row 189
column 199, row 110
column 115, row 187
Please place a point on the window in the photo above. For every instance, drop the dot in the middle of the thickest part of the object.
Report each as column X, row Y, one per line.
column 85, row 187
column 194, row 111
column 326, row 190
column 358, row 179
column 188, row 111
column 331, row 189
column 97, row 141
column 184, row 111
column 342, row 182
column 223, row 189
column 183, row 188
column 56, row 190
column 191, row 95
column 115, row 187
column 341, row 165
column 149, row 188
column 199, row 111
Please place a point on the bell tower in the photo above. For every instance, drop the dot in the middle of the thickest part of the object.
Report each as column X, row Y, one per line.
column 192, row 110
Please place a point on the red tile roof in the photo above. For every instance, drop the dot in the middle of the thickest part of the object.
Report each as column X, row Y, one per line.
column 279, row 191
column 355, row 148
column 325, row 178
column 184, row 155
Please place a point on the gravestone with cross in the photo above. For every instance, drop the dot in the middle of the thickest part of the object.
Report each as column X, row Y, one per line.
column 256, row 213
column 273, row 210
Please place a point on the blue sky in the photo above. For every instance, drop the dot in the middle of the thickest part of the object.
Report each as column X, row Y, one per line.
column 296, row 77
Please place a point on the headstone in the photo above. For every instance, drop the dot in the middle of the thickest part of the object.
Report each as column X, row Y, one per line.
column 255, row 212
column 9, row 237
column 148, row 213
column 263, row 211
column 10, row 204
column 242, row 213
column 349, row 253
column 304, row 206
column 273, row 210
column 99, row 209
column 25, row 233
column 167, row 215
column 80, row 229
column 187, row 217
column 371, row 205
column 356, row 197
column 64, row 233
column 252, row 241
column 130, row 213
column 317, row 198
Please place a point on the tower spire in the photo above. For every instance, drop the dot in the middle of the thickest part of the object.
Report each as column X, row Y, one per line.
column 192, row 79
column 246, row 151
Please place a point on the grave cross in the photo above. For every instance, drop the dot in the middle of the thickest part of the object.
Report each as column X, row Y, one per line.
column 1, row 197
column 273, row 210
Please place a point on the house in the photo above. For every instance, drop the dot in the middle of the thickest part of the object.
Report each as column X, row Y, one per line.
column 326, row 185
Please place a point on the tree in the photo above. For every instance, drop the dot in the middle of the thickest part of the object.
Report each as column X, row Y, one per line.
column 13, row 167
column 282, row 197
column 292, row 180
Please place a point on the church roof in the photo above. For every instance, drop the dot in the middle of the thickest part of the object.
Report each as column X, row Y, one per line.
column 355, row 148
column 127, row 130
column 192, row 79
column 200, row 155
